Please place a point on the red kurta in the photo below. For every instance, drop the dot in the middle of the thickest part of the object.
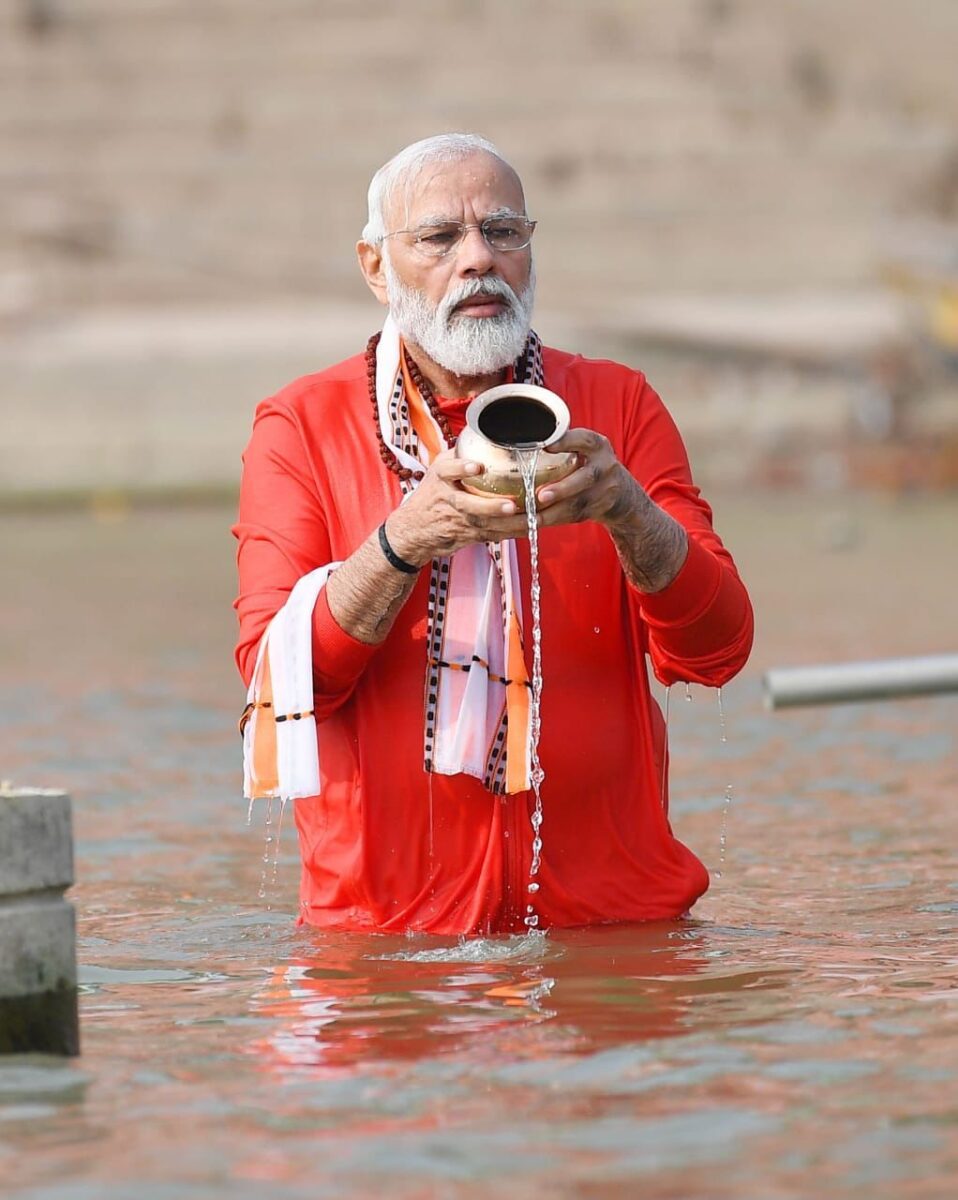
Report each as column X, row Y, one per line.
column 386, row 846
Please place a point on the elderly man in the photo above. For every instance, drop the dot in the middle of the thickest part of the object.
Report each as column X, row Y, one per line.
column 384, row 609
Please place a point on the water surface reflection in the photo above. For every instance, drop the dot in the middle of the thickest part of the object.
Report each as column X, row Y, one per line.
column 360, row 1002
column 796, row 1038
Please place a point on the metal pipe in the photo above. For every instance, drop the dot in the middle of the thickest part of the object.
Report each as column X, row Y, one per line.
column 847, row 683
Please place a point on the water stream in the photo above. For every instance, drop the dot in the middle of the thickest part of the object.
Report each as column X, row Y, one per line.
column 727, row 798
column 528, row 461
column 267, row 852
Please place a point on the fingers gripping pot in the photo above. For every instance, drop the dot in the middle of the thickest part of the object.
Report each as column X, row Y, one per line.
column 505, row 420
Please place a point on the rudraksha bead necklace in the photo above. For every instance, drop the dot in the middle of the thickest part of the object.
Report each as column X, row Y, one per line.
column 385, row 453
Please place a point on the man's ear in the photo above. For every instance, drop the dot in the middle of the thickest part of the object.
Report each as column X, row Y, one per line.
column 371, row 265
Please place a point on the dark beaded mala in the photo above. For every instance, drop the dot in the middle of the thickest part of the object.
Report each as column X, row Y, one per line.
column 388, row 457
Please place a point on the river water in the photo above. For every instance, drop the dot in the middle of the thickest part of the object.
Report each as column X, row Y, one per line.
column 797, row 1037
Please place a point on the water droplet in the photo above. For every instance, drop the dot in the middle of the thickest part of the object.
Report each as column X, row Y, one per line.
column 723, row 834
column 665, row 746
column 533, row 887
column 688, row 693
column 279, row 832
column 595, row 629
column 266, row 854
column 431, row 827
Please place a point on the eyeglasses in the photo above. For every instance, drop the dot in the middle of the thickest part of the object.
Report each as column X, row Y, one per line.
column 499, row 233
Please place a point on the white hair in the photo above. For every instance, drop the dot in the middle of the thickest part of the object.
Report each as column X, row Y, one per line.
column 407, row 164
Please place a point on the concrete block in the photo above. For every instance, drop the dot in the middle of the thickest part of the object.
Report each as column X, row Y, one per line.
column 37, row 945
column 38, row 996
column 36, row 841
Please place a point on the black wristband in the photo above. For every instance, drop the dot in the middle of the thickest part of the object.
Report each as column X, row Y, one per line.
column 392, row 557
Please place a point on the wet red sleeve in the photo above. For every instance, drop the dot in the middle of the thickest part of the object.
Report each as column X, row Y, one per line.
column 282, row 534
column 700, row 627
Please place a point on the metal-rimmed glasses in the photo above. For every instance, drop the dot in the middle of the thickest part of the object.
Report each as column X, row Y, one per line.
column 499, row 233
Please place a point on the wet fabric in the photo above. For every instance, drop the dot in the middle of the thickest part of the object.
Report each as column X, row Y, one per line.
column 477, row 710
column 280, row 737
column 386, row 845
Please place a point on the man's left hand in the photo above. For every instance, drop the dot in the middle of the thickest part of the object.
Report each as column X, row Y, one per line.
column 651, row 545
column 599, row 489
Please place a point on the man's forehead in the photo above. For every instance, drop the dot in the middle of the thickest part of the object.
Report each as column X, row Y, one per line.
column 442, row 188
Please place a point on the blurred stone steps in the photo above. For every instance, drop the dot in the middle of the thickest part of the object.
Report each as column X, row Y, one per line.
column 178, row 147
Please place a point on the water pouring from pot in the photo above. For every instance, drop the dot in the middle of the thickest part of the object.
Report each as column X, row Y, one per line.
column 503, row 424
column 508, row 433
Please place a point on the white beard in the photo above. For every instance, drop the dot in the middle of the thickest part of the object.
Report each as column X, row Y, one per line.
column 464, row 346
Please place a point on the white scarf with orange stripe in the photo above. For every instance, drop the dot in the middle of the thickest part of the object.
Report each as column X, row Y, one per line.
column 477, row 687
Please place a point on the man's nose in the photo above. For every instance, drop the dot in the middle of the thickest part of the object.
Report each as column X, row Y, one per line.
column 474, row 255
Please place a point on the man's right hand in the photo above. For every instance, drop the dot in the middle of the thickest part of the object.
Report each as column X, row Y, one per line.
column 440, row 516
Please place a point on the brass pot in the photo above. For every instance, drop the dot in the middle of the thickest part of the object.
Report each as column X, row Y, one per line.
column 504, row 421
